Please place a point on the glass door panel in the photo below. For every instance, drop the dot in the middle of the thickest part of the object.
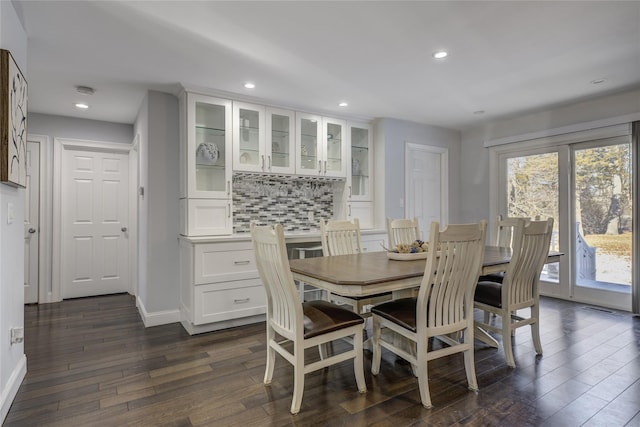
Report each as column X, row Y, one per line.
column 249, row 138
column 533, row 192
column 603, row 201
column 280, row 141
column 360, row 152
column 210, row 147
column 308, row 130
column 334, row 147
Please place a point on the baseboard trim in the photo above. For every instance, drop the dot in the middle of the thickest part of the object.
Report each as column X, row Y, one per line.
column 158, row 317
column 9, row 392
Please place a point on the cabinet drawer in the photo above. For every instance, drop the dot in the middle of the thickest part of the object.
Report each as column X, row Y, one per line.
column 219, row 302
column 215, row 265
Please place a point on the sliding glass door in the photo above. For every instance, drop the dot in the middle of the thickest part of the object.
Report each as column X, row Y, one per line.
column 587, row 188
column 602, row 195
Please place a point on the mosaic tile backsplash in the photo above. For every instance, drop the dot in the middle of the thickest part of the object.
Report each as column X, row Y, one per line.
column 267, row 200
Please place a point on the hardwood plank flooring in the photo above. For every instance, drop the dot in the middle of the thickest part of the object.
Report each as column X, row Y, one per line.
column 91, row 362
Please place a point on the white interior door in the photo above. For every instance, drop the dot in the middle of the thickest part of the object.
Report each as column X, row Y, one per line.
column 32, row 224
column 426, row 171
column 94, row 214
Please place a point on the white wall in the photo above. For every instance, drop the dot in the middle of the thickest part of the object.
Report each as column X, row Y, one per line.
column 12, row 358
column 474, row 161
column 390, row 138
column 158, row 127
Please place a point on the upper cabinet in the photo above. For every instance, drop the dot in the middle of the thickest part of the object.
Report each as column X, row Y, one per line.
column 360, row 178
column 334, row 148
column 208, row 148
column 263, row 139
column 248, row 137
column 281, row 141
column 321, row 149
column 205, row 156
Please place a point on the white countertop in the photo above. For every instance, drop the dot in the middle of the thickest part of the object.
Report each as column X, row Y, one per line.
column 290, row 237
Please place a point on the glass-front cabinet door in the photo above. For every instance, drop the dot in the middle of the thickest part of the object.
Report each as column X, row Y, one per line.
column 308, row 144
column 249, row 137
column 361, row 161
column 208, row 153
column 280, row 141
column 334, row 150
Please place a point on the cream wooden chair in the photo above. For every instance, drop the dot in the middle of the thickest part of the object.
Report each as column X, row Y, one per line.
column 502, row 237
column 304, row 325
column 342, row 237
column 442, row 309
column 519, row 289
column 402, row 231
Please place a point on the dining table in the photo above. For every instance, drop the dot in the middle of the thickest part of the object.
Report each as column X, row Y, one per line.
column 371, row 273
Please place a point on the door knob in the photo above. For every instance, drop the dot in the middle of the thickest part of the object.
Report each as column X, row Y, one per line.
column 123, row 229
column 32, row 230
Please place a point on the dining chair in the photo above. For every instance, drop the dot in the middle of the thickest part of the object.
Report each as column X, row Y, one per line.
column 503, row 237
column 402, row 230
column 342, row 237
column 442, row 309
column 519, row 289
column 294, row 326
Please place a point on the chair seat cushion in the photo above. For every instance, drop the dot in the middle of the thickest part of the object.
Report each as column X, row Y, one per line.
column 321, row 317
column 494, row 277
column 400, row 311
column 489, row 293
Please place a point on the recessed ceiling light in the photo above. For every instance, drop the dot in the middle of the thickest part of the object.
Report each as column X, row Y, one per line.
column 441, row 54
column 478, row 112
column 343, row 104
column 81, row 105
column 249, row 85
column 598, row 81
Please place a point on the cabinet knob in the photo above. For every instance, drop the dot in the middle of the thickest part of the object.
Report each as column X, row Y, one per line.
column 123, row 229
column 32, row 230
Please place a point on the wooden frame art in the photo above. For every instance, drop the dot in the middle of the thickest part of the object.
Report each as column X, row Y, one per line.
column 13, row 122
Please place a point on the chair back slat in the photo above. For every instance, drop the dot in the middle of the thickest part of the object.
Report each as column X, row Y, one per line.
column 454, row 259
column 340, row 237
column 402, row 230
column 284, row 309
column 530, row 250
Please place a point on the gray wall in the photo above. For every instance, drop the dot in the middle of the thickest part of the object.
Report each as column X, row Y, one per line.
column 391, row 135
column 475, row 190
column 74, row 128
column 158, row 128
column 12, row 357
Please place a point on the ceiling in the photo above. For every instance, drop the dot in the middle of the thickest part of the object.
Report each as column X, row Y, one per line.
column 505, row 58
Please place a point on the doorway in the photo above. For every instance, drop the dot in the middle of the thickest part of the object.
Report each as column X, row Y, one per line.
column 90, row 216
column 426, row 185
column 32, row 224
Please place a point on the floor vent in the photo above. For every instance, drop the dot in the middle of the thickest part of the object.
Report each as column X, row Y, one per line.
column 604, row 310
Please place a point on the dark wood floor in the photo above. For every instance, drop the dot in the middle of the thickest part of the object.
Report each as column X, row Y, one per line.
column 91, row 362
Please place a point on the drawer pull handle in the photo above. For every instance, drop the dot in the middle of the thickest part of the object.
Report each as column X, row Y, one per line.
column 241, row 301
column 241, row 262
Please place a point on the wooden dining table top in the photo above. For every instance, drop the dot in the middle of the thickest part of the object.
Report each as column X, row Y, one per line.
column 373, row 272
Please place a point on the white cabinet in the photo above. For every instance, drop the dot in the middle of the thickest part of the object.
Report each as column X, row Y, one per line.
column 334, row 149
column 248, row 137
column 263, row 139
column 219, row 285
column 360, row 178
column 281, row 141
column 205, row 161
column 359, row 184
column 321, row 146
